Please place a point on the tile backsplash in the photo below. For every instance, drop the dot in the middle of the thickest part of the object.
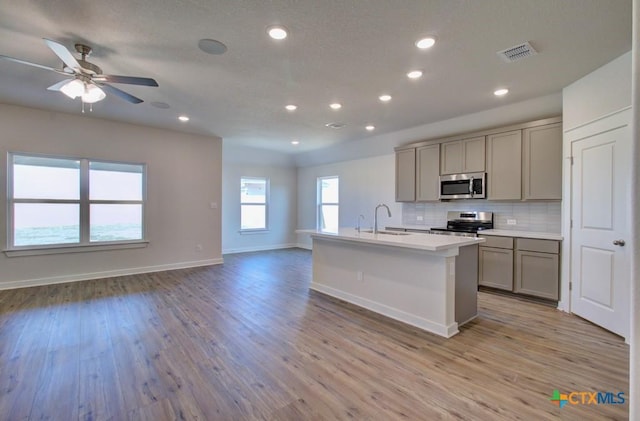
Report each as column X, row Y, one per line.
column 529, row 216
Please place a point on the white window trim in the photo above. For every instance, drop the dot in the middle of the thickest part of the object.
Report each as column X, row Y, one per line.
column 84, row 203
column 319, row 202
column 266, row 204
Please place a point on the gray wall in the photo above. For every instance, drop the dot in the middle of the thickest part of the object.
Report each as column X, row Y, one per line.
column 184, row 177
column 278, row 168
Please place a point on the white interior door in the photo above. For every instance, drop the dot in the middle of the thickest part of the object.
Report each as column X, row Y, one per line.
column 600, row 262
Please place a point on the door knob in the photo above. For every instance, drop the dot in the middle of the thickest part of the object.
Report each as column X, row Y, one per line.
column 619, row 243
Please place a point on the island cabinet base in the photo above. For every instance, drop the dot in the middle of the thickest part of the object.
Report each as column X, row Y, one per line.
column 434, row 291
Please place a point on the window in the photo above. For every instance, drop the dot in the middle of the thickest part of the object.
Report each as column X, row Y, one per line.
column 254, row 198
column 328, row 204
column 69, row 202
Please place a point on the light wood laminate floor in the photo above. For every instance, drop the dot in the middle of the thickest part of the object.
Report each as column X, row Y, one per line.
column 248, row 340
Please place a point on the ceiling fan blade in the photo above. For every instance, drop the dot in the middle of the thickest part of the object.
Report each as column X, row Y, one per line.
column 64, row 54
column 28, row 63
column 120, row 93
column 131, row 80
column 57, row 86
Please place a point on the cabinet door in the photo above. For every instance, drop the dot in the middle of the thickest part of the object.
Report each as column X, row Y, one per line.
column 406, row 175
column 495, row 268
column 428, row 173
column 537, row 274
column 473, row 154
column 542, row 162
column 451, row 157
column 504, row 166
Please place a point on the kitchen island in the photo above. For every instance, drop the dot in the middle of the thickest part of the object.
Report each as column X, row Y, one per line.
column 425, row 280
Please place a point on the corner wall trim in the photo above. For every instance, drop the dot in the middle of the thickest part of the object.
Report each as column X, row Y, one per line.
column 107, row 274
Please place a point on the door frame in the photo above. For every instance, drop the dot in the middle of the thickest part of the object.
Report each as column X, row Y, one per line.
column 608, row 122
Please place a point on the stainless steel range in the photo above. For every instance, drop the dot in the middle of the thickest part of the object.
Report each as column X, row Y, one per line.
column 466, row 223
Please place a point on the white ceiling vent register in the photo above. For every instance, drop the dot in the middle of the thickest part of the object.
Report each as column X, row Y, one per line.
column 517, row 52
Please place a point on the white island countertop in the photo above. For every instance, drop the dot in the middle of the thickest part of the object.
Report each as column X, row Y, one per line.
column 418, row 241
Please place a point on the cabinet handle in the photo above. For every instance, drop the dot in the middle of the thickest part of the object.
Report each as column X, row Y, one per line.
column 619, row 243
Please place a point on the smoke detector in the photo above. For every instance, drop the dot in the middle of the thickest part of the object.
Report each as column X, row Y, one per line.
column 517, row 52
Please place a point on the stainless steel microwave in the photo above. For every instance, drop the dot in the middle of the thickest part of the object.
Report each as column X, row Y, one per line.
column 463, row 186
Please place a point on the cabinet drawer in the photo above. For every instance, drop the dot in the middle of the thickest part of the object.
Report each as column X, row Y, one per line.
column 499, row 242
column 542, row 246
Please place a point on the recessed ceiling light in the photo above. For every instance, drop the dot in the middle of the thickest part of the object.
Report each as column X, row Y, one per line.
column 501, row 92
column 335, row 106
column 212, row 46
column 370, row 128
column 414, row 74
column 277, row 32
column 425, row 43
column 183, row 118
column 291, row 107
column 385, row 98
column 295, row 142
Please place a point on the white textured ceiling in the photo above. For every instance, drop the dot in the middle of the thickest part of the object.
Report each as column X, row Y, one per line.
column 348, row 51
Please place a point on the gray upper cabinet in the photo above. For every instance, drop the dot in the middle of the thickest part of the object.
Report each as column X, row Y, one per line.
column 504, row 166
column 406, row 175
column 542, row 162
column 463, row 156
column 428, row 173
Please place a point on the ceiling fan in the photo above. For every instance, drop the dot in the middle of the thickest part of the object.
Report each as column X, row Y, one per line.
column 87, row 80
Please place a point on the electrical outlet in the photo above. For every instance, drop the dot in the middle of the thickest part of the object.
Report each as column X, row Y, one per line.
column 198, row 247
column 419, row 218
column 360, row 275
column 511, row 222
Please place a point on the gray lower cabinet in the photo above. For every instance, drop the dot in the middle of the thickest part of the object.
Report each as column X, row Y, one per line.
column 537, row 268
column 495, row 268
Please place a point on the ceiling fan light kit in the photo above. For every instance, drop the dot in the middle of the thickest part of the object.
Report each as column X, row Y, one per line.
column 88, row 83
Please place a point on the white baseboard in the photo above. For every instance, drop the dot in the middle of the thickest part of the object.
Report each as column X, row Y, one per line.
column 259, row 248
column 304, row 246
column 107, row 274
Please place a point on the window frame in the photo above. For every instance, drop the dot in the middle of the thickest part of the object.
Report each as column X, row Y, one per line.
column 84, row 218
column 266, row 204
column 320, row 203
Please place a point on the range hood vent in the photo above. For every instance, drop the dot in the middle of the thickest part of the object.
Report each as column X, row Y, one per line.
column 517, row 52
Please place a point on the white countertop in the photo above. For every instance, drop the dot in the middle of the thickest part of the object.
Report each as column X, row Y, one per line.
column 524, row 234
column 429, row 242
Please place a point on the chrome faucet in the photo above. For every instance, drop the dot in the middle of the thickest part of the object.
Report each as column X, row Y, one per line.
column 361, row 217
column 375, row 216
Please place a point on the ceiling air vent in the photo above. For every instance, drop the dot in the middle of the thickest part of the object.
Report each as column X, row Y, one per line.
column 517, row 52
column 335, row 125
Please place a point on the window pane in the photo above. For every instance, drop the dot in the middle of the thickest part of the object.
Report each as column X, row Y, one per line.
column 46, row 223
column 115, row 222
column 329, row 190
column 109, row 181
column 45, row 178
column 329, row 218
column 253, row 190
column 253, row 217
